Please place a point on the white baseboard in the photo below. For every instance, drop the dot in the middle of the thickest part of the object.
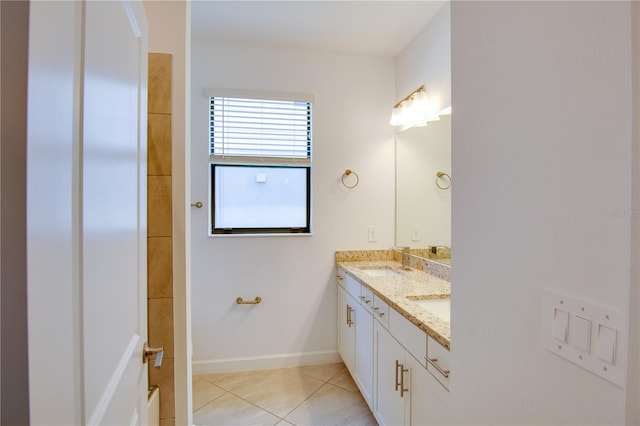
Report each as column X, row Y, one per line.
column 264, row 362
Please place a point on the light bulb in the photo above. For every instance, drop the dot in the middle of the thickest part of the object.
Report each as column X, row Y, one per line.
column 396, row 116
column 421, row 100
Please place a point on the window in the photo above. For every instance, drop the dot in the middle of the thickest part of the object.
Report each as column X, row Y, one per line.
column 260, row 159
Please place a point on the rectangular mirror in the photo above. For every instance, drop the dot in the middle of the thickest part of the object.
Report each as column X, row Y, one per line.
column 423, row 210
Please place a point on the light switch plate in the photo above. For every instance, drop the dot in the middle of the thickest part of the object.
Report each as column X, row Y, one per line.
column 373, row 234
column 596, row 336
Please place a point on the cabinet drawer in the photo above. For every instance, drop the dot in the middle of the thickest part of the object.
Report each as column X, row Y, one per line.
column 409, row 335
column 340, row 274
column 352, row 286
column 438, row 364
column 366, row 298
column 381, row 311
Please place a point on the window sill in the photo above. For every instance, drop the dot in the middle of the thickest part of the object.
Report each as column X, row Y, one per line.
column 297, row 234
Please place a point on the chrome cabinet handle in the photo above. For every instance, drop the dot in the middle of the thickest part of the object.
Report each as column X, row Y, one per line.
column 148, row 352
column 339, row 277
column 380, row 314
column 434, row 363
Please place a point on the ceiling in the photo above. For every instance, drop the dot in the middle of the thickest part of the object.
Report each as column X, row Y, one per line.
column 382, row 28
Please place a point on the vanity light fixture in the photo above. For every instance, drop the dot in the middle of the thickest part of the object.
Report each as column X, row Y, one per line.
column 416, row 110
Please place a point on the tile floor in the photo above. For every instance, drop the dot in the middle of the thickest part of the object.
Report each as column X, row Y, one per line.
column 311, row 395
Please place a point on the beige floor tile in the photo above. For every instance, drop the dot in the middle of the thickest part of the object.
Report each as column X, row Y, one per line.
column 323, row 371
column 204, row 392
column 230, row 410
column 279, row 392
column 345, row 381
column 228, row 381
column 284, row 423
column 332, row 405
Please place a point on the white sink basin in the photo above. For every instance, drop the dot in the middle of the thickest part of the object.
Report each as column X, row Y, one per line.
column 438, row 307
column 380, row 272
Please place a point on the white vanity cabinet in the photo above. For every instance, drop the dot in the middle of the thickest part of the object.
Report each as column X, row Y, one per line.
column 355, row 334
column 429, row 400
column 401, row 372
column 363, row 371
column 346, row 329
column 392, row 382
column 381, row 311
column 438, row 361
column 405, row 392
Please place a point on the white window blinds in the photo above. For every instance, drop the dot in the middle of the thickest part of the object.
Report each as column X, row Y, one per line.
column 260, row 128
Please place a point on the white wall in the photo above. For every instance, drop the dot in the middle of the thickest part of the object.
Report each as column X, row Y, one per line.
column 633, row 373
column 296, row 321
column 427, row 60
column 542, row 150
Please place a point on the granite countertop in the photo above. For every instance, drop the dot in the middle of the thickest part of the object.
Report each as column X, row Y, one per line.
column 394, row 291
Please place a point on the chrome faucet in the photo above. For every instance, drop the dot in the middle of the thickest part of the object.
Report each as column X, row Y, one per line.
column 405, row 257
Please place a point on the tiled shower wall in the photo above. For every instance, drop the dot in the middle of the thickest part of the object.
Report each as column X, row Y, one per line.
column 159, row 231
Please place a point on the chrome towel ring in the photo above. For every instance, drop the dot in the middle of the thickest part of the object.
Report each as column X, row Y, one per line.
column 443, row 175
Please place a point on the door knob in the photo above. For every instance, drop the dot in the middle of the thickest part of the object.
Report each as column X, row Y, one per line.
column 197, row 205
column 148, row 352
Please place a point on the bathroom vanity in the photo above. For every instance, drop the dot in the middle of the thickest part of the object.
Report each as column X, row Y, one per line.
column 394, row 335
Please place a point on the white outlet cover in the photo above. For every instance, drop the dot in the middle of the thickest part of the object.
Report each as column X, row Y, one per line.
column 574, row 349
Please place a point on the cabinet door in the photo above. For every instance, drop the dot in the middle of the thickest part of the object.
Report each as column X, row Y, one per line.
column 429, row 399
column 346, row 330
column 389, row 407
column 364, row 352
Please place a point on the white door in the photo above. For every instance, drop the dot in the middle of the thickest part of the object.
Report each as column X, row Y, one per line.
column 87, row 212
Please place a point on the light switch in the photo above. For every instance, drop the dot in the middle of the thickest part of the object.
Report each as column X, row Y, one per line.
column 581, row 335
column 560, row 324
column 261, row 177
column 606, row 344
column 587, row 335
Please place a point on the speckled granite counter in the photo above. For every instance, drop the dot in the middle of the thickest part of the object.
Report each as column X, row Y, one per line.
column 394, row 290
